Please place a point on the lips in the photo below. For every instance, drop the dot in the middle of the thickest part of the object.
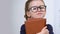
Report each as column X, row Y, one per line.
column 39, row 13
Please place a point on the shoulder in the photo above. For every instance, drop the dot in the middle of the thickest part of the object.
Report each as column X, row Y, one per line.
column 22, row 31
column 50, row 28
column 23, row 27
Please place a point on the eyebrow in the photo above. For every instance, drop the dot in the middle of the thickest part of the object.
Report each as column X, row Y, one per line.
column 36, row 6
column 39, row 5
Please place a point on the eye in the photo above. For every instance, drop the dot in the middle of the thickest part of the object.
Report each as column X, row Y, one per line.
column 42, row 7
column 34, row 8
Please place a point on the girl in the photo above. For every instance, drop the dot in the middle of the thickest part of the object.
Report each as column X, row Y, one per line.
column 36, row 9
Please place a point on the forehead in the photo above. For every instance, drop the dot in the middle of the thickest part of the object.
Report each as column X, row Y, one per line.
column 36, row 3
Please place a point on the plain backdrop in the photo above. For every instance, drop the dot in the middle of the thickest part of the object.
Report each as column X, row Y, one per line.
column 12, row 15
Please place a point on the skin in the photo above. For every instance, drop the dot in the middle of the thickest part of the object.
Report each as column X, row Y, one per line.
column 36, row 15
column 32, row 14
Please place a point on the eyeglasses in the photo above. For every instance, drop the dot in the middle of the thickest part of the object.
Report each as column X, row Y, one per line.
column 35, row 8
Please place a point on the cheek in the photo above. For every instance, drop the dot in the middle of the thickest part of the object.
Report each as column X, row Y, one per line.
column 43, row 13
column 33, row 14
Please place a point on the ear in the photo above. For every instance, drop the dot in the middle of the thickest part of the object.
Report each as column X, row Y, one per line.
column 28, row 14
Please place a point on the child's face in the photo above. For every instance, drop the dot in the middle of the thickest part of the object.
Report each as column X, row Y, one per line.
column 37, row 9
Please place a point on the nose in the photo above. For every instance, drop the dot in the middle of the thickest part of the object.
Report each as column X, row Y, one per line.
column 39, row 9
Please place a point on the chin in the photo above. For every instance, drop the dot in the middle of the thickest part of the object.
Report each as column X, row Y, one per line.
column 38, row 17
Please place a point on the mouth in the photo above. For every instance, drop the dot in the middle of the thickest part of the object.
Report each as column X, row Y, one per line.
column 39, row 13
